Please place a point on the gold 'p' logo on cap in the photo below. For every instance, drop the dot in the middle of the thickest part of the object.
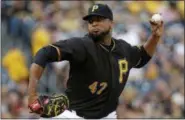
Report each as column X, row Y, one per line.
column 95, row 7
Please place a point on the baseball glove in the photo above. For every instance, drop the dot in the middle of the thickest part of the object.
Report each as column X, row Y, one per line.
column 49, row 106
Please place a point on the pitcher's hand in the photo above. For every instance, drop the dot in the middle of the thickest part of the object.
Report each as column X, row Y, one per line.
column 157, row 27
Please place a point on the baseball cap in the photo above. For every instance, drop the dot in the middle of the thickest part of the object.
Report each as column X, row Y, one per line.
column 102, row 10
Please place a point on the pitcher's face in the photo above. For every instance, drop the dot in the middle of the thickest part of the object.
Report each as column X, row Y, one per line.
column 99, row 26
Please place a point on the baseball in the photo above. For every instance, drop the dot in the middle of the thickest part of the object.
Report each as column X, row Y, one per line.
column 157, row 18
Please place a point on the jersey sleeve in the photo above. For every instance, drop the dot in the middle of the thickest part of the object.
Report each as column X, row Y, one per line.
column 138, row 56
column 72, row 50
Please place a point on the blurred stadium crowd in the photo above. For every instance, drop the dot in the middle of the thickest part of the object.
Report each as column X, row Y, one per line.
column 155, row 91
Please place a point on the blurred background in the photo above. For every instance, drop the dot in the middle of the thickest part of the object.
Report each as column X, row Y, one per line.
column 155, row 91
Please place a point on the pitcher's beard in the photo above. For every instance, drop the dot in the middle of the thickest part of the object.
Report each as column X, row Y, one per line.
column 99, row 37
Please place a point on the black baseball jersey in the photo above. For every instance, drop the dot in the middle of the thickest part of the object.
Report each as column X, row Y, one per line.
column 98, row 73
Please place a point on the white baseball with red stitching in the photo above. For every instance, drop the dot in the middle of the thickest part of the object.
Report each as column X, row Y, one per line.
column 157, row 18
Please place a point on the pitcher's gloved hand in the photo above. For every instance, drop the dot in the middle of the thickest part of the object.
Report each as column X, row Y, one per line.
column 49, row 106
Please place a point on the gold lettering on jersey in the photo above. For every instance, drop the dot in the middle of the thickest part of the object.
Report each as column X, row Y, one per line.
column 103, row 85
column 94, row 8
column 94, row 85
column 123, row 68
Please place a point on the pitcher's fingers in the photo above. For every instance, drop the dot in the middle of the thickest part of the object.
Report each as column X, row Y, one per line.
column 152, row 22
column 156, row 29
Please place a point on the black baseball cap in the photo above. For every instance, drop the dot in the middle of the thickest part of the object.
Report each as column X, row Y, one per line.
column 102, row 10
